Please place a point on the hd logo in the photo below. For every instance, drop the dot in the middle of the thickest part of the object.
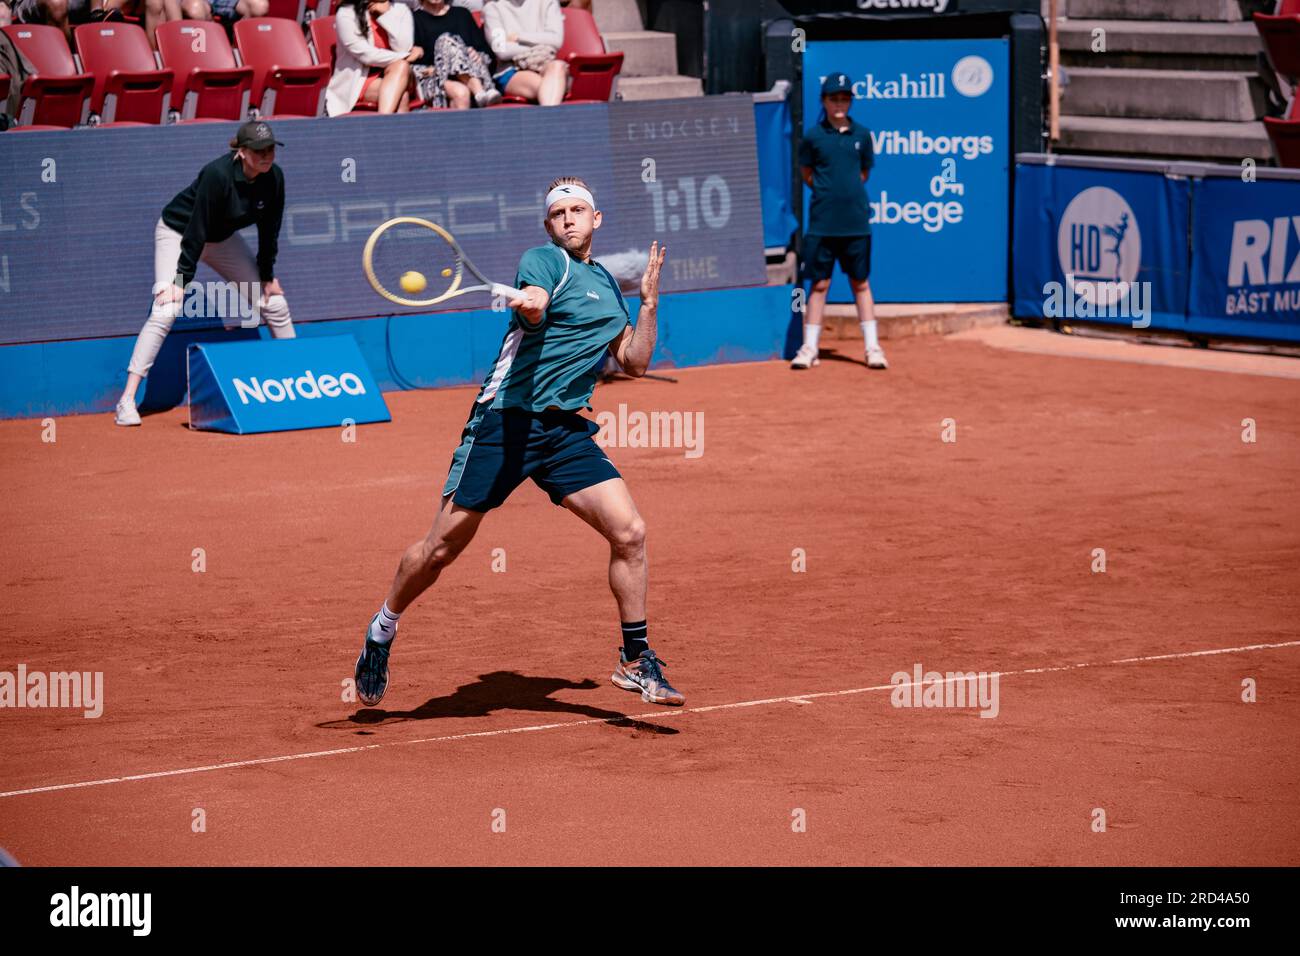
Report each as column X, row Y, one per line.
column 1099, row 245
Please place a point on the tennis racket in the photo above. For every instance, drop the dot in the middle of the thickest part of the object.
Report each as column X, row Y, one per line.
column 408, row 256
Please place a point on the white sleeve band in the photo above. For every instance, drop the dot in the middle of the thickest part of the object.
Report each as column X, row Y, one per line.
column 568, row 191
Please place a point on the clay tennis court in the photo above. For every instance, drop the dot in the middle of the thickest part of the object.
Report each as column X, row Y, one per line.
column 223, row 688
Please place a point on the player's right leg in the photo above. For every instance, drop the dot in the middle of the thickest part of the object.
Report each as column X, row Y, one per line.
column 421, row 564
column 492, row 459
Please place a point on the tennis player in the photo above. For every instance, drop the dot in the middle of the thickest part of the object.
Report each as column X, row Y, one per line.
column 524, row 423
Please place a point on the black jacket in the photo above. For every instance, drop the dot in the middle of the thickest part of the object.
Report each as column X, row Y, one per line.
column 220, row 202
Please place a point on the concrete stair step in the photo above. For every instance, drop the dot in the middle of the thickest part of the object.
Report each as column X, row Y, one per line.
column 658, row 87
column 617, row 16
column 903, row 320
column 1191, row 139
column 1211, row 10
column 1163, row 94
column 645, row 52
column 1161, row 37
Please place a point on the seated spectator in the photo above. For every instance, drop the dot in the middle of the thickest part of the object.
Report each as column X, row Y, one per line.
column 373, row 57
column 18, row 68
column 525, row 36
column 228, row 10
column 457, row 58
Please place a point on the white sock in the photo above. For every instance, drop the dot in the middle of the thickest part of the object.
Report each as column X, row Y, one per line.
column 812, row 335
column 384, row 626
column 869, row 334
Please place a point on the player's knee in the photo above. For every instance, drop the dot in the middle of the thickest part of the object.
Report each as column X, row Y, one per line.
column 441, row 553
column 629, row 537
column 821, row 285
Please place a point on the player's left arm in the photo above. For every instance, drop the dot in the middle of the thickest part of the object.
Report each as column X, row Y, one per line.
column 634, row 346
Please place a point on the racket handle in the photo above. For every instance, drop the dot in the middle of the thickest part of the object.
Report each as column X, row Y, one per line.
column 508, row 291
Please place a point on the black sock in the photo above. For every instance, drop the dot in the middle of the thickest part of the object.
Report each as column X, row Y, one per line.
column 634, row 639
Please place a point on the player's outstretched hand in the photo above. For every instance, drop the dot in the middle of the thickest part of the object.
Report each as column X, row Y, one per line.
column 529, row 303
column 650, row 281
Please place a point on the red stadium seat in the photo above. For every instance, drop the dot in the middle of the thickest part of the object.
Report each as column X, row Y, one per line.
column 325, row 41
column 129, row 87
column 1280, row 34
column 209, row 83
column 590, row 66
column 285, row 80
column 57, row 94
column 1284, row 134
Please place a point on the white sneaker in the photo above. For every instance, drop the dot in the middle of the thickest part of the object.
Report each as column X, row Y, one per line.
column 127, row 413
column 876, row 358
column 806, row 357
column 489, row 97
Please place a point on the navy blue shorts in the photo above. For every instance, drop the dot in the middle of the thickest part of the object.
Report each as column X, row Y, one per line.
column 499, row 448
column 820, row 253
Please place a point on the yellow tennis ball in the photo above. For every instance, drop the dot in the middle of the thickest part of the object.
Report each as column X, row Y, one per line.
column 413, row 281
column 446, row 272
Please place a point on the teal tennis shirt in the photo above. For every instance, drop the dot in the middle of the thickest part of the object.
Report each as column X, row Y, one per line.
column 839, row 198
column 554, row 365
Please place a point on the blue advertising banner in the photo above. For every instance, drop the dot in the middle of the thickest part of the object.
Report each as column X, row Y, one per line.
column 1245, row 272
column 78, row 208
column 772, row 129
column 939, row 191
column 274, row 386
column 1101, row 245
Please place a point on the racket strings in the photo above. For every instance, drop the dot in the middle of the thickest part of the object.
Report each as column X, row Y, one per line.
column 414, row 262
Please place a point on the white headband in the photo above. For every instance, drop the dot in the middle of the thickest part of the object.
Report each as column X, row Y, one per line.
column 568, row 191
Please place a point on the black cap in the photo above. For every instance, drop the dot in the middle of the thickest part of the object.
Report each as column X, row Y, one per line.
column 255, row 134
column 836, row 83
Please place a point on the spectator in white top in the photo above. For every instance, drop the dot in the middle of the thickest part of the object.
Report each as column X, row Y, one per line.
column 373, row 57
column 525, row 36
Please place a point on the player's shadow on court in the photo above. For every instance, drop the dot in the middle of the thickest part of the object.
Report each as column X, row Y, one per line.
column 500, row 690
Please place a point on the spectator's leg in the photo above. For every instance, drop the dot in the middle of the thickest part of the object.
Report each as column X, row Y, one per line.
column 457, row 95
column 525, row 83
column 196, row 9
column 555, row 82
column 253, row 8
column 55, row 13
column 155, row 12
column 392, row 88
column 6, row 14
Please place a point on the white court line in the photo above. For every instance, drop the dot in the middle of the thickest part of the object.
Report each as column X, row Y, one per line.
column 656, row 714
